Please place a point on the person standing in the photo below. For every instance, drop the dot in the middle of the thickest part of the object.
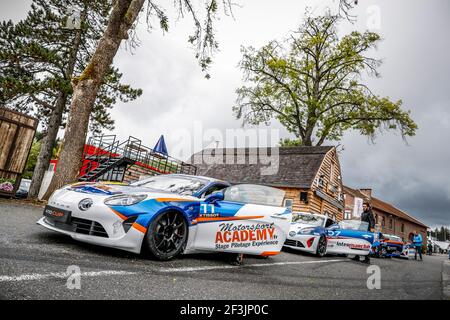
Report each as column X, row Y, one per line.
column 417, row 240
column 367, row 216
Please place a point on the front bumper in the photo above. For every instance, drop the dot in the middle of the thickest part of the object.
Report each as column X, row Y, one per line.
column 300, row 242
column 130, row 241
column 98, row 225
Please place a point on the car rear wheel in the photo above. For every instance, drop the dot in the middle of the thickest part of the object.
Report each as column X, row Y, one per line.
column 321, row 246
column 167, row 235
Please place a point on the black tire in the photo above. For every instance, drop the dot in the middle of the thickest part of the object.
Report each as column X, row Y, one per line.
column 321, row 246
column 166, row 236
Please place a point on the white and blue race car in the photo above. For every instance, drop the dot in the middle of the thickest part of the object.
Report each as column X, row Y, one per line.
column 320, row 235
column 172, row 214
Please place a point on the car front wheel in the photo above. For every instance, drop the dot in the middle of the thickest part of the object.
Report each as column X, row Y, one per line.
column 321, row 246
column 166, row 235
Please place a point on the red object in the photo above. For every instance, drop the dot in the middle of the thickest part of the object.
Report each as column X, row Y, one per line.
column 89, row 165
column 310, row 242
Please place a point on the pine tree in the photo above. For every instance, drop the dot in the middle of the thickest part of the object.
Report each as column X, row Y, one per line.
column 38, row 58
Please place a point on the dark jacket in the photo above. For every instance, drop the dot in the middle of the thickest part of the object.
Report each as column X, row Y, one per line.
column 367, row 216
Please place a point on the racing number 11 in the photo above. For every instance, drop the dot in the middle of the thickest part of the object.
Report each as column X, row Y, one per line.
column 207, row 208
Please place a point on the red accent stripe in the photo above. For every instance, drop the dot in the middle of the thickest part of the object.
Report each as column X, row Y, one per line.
column 140, row 228
column 269, row 253
column 228, row 218
column 119, row 214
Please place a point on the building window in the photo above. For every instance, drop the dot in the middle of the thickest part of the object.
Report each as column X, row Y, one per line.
column 376, row 219
column 347, row 215
column 390, row 223
column 288, row 203
column 383, row 221
column 321, row 181
column 403, row 227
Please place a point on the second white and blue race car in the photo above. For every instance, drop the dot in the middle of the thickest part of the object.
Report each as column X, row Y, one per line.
column 320, row 235
column 172, row 214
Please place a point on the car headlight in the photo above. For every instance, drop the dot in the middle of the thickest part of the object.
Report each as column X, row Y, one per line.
column 307, row 230
column 125, row 200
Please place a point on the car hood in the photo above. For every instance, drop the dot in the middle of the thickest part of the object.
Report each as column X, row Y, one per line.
column 295, row 226
column 111, row 189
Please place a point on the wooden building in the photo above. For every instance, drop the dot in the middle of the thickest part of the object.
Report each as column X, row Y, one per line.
column 16, row 137
column 388, row 218
column 311, row 176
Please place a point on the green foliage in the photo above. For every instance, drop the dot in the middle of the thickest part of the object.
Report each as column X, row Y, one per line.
column 290, row 143
column 34, row 153
column 441, row 234
column 312, row 85
column 32, row 159
column 33, row 61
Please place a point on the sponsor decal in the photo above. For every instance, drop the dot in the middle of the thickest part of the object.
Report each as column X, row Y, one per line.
column 231, row 235
column 54, row 213
column 353, row 245
column 209, row 215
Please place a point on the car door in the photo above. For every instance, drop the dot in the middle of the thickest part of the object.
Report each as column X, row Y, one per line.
column 235, row 224
column 345, row 241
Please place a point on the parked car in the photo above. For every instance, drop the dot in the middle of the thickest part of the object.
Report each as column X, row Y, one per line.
column 308, row 233
column 408, row 252
column 388, row 245
column 172, row 214
column 24, row 188
column 350, row 237
column 320, row 235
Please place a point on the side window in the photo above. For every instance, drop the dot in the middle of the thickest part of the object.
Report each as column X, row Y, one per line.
column 213, row 189
column 255, row 194
column 329, row 223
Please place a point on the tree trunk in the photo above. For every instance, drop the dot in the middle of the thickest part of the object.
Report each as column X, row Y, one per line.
column 45, row 154
column 86, row 86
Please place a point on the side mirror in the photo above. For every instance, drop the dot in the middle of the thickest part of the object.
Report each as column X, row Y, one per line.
column 214, row 197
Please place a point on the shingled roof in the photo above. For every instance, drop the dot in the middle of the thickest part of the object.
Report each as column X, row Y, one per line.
column 389, row 208
column 356, row 193
column 297, row 166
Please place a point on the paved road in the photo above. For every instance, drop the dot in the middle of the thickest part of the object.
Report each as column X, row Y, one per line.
column 33, row 262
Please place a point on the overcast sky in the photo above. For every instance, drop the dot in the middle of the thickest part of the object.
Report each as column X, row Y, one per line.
column 415, row 177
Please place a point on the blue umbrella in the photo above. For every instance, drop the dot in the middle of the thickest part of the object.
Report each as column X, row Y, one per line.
column 160, row 147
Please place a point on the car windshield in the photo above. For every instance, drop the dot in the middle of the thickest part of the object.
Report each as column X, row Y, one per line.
column 308, row 219
column 25, row 185
column 354, row 225
column 183, row 185
column 255, row 194
column 392, row 237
